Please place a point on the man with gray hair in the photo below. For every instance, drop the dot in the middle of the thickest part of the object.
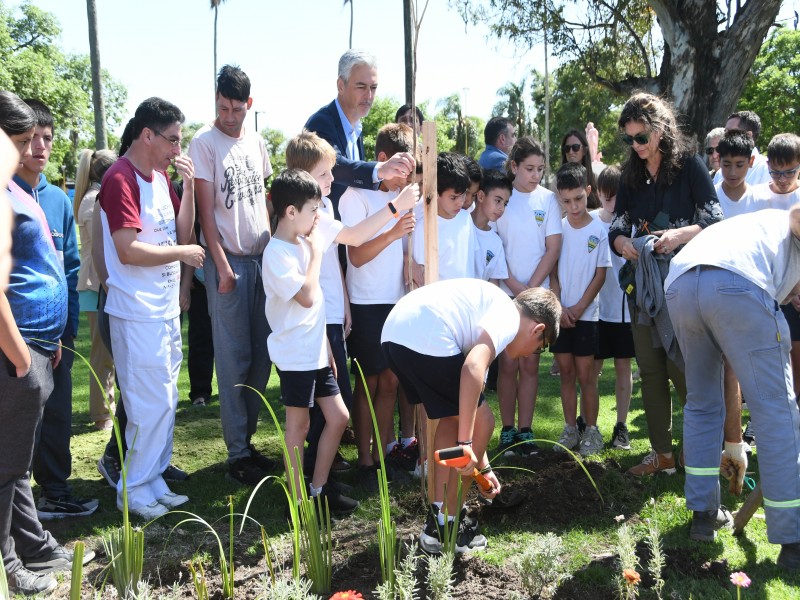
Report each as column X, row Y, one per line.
column 339, row 123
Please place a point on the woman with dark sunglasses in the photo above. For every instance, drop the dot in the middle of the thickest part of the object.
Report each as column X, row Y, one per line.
column 665, row 199
column 575, row 149
column 710, row 149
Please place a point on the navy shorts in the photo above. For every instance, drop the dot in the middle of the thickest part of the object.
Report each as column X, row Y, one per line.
column 581, row 340
column 616, row 340
column 433, row 381
column 300, row 388
column 793, row 319
column 364, row 341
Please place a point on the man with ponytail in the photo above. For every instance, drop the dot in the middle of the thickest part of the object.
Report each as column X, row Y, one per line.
column 147, row 232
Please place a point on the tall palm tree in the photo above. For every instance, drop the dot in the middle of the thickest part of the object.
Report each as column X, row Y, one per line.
column 100, row 137
column 215, row 6
column 350, row 2
column 513, row 104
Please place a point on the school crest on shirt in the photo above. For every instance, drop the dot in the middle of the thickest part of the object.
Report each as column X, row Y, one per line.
column 489, row 256
column 539, row 215
column 593, row 241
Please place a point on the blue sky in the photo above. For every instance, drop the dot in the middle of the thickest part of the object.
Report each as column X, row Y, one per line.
column 288, row 49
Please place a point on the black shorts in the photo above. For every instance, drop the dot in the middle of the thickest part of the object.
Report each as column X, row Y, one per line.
column 581, row 340
column 300, row 388
column 434, row 381
column 364, row 341
column 793, row 319
column 615, row 340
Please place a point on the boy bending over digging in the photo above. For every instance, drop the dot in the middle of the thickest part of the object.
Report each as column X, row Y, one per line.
column 440, row 340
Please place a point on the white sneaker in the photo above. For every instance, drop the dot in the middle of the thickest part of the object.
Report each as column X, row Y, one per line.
column 569, row 439
column 592, row 441
column 173, row 500
column 148, row 512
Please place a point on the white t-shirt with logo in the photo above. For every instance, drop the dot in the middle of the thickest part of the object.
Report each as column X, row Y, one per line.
column 613, row 304
column 746, row 204
column 237, row 168
column 330, row 274
column 529, row 219
column 380, row 281
column 457, row 246
column 491, row 259
column 760, row 247
column 297, row 341
column 764, row 196
column 446, row 318
column 582, row 252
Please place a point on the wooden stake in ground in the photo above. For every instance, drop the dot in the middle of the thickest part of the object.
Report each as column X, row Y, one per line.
column 745, row 513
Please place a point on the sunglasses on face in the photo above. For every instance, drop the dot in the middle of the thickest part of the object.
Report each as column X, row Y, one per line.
column 710, row 151
column 572, row 148
column 787, row 174
column 639, row 138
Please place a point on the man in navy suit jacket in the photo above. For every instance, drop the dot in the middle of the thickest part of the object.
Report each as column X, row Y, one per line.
column 340, row 124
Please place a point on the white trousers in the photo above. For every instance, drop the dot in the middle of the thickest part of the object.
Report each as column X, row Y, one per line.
column 148, row 358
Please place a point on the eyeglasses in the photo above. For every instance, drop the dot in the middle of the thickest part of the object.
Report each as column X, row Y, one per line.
column 572, row 147
column 543, row 347
column 710, row 151
column 787, row 174
column 175, row 143
column 639, row 138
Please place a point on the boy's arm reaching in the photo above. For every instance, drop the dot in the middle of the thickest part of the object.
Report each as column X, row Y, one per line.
column 362, row 254
column 360, row 233
column 471, row 385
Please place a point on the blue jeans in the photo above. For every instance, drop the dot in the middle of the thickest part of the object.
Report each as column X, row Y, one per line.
column 239, row 329
column 716, row 312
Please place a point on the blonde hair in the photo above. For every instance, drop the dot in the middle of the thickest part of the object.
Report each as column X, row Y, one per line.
column 92, row 165
column 306, row 150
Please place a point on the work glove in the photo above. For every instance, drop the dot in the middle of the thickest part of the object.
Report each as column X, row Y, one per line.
column 734, row 465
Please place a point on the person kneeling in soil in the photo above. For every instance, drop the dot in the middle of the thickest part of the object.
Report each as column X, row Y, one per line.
column 722, row 294
column 440, row 340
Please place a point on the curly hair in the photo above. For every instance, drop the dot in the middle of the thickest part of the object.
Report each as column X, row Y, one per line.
column 655, row 114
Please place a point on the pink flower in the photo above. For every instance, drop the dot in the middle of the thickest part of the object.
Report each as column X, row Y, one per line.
column 740, row 579
column 348, row 595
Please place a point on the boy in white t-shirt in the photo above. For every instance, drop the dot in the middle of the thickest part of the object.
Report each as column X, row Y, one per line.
column 309, row 152
column 490, row 204
column 614, row 327
column 375, row 284
column 457, row 247
column 578, row 279
column 736, row 158
column 296, row 310
column 440, row 340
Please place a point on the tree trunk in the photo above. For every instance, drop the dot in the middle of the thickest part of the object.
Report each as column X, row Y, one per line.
column 705, row 70
column 408, row 37
column 100, row 136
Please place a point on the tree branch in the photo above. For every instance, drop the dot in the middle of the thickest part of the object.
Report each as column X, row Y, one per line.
column 637, row 40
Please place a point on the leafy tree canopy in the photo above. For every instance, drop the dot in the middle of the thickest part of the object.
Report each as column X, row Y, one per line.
column 33, row 66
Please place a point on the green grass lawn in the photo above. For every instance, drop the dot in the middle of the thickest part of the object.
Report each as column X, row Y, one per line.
column 693, row 570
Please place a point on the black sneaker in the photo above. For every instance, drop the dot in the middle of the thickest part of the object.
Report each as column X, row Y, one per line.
column 60, row 559
column 367, row 478
column 430, row 540
column 338, row 503
column 400, row 460
column 581, row 425
column 749, row 434
column 262, row 462
column 468, row 539
column 525, row 446
column 340, row 464
column 25, row 582
column 469, row 521
column 173, row 473
column 245, row 471
column 706, row 523
column 50, row 509
column 108, row 467
column 621, row 438
column 505, row 447
column 341, row 486
column 789, row 557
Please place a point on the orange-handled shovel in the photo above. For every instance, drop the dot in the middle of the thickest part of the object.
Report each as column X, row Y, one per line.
column 455, row 457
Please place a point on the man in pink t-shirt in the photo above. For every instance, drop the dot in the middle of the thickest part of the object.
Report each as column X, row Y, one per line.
column 146, row 235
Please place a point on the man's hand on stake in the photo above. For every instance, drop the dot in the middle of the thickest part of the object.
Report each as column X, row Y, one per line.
column 734, row 465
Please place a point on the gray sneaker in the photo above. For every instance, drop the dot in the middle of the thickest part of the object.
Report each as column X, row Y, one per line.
column 25, row 582
column 569, row 439
column 591, row 441
column 59, row 559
